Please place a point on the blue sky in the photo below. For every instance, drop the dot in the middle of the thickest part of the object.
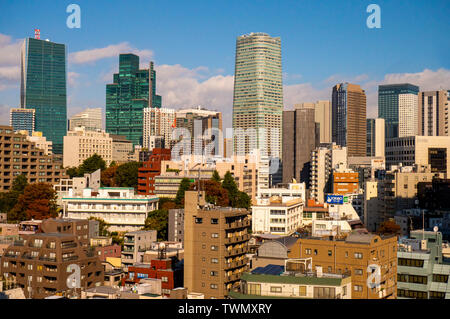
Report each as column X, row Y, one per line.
column 193, row 45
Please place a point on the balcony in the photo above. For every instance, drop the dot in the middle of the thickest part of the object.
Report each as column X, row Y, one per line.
column 236, row 264
column 70, row 258
column 232, row 277
column 237, row 239
column 234, row 252
column 52, row 259
column 244, row 223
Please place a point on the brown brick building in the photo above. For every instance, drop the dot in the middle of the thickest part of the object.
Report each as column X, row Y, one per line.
column 20, row 156
column 39, row 264
column 353, row 255
column 150, row 169
column 215, row 246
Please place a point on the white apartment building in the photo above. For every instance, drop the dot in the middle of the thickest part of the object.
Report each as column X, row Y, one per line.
column 324, row 159
column 158, row 122
column 286, row 191
column 41, row 142
column 81, row 144
column 407, row 114
column 277, row 216
column 119, row 207
column 135, row 244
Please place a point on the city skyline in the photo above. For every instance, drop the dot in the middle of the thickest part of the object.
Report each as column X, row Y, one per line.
column 204, row 73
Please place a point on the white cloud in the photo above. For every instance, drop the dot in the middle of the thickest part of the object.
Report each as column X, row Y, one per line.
column 113, row 50
column 9, row 62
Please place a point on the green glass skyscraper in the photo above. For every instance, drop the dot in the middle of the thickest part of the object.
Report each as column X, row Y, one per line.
column 133, row 90
column 43, row 88
column 258, row 94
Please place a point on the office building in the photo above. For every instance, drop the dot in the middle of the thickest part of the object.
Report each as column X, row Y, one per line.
column 90, row 119
column 21, row 156
column 119, row 207
column 22, row 119
column 299, row 139
column 158, row 123
column 397, row 105
column 43, row 88
column 258, row 95
column 349, row 118
column 352, row 256
column 122, row 149
column 420, row 150
column 433, row 113
column 422, row 270
column 215, row 246
column 322, row 116
column 41, row 142
column 132, row 90
column 150, row 169
column 81, row 144
column 38, row 264
column 375, row 137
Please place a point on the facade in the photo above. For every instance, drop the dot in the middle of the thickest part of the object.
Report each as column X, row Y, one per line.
column 117, row 206
column 150, row 169
column 375, row 137
column 284, row 191
column 345, row 181
column 176, row 225
column 90, row 119
column 349, row 118
column 43, row 88
column 353, row 255
column 39, row 264
column 322, row 116
column 324, row 159
column 215, row 246
column 132, row 90
column 82, row 144
column 293, row 284
column 202, row 130
column 135, row 244
column 397, row 105
column 158, row 122
column 258, row 94
column 277, row 216
column 21, row 156
column 433, row 113
column 41, row 142
column 299, row 139
column 121, row 149
column 422, row 270
column 22, row 119
column 420, row 150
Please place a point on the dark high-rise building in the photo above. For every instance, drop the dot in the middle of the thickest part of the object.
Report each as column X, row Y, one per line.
column 132, row 90
column 397, row 105
column 299, row 139
column 43, row 88
column 349, row 118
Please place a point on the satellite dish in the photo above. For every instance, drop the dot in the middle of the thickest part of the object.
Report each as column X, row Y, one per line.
column 435, row 229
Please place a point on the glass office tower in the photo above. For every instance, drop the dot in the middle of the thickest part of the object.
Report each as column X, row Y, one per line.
column 43, row 88
column 132, row 90
column 258, row 94
column 397, row 105
column 22, row 119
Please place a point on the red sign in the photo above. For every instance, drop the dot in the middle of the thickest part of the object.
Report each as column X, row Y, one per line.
column 37, row 34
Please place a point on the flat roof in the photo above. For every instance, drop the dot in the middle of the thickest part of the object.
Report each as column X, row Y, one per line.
column 290, row 279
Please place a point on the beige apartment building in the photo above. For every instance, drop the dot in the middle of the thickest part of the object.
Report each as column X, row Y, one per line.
column 40, row 141
column 215, row 246
column 18, row 156
column 433, row 113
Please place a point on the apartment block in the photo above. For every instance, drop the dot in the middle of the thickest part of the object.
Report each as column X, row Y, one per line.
column 22, row 119
column 150, row 169
column 433, row 113
column 119, row 207
column 358, row 255
column 176, row 225
column 376, row 137
column 135, row 244
column 158, row 122
column 215, row 246
column 21, row 156
column 39, row 264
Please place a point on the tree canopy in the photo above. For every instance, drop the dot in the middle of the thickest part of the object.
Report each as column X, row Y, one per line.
column 158, row 220
column 38, row 201
column 126, row 175
column 184, row 186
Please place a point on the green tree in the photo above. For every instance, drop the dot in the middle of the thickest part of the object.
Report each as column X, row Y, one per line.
column 184, row 186
column 107, row 176
column 38, row 201
column 127, row 175
column 91, row 164
column 230, row 186
column 158, row 220
column 243, row 200
column 216, row 177
column 215, row 193
column 19, row 184
column 72, row 172
column 9, row 199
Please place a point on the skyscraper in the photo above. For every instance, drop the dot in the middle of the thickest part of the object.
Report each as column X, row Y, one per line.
column 258, row 94
column 90, row 119
column 158, row 123
column 349, row 118
column 132, row 90
column 299, row 139
column 322, row 115
column 433, row 113
column 397, row 104
column 22, row 119
column 375, row 137
column 43, row 88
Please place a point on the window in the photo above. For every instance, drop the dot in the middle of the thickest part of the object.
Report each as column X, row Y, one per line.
column 214, row 235
column 213, row 286
column 315, row 251
column 440, row 278
column 402, row 278
column 358, row 255
column 275, row 289
column 254, row 289
column 213, row 247
column 417, row 279
column 214, row 273
column 412, row 294
column 214, row 221
column 346, row 254
column 198, row 220
column 324, row 293
column 437, row 295
column 344, row 291
column 358, row 271
column 164, row 279
column 308, row 251
column 302, row 291
column 330, row 253
column 357, row 288
column 214, row 260
column 410, row 262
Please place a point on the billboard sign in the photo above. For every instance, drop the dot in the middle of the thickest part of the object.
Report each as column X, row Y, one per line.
column 335, row 199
